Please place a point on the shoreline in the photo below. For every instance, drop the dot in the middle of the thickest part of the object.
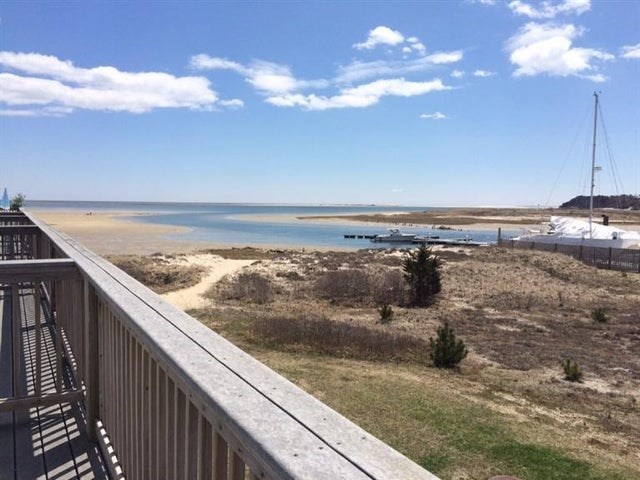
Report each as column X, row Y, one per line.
column 113, row 232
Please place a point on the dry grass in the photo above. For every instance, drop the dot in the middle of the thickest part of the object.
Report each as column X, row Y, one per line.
column 505, row 216
column 158, row 272
column 509, row 410
column 338, row 339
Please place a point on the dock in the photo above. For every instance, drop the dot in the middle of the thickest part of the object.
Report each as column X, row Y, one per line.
column 428, row 240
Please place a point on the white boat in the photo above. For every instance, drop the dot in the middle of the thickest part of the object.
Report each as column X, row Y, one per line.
column 574, row 231
column 394, row 236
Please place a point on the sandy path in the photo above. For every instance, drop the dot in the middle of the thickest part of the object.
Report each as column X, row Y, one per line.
column 217, row 267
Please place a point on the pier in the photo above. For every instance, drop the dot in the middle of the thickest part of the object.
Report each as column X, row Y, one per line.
column 101, row 378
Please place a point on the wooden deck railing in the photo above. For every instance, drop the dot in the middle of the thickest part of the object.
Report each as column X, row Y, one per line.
column 169, row 398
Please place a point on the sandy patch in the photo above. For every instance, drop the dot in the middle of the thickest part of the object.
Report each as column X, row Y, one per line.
column 113, row 233
column 216, row 268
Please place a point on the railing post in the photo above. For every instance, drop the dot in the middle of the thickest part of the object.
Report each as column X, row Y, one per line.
column 91, row 358
column 609, row 260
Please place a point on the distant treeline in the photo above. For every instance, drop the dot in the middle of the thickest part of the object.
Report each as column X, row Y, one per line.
column 605, row 201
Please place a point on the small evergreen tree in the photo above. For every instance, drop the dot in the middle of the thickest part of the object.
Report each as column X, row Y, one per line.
column 386, row 313
column 572, row 371
column 17, row 202
column 600, row 315
column 446, row 351
column 422, row 273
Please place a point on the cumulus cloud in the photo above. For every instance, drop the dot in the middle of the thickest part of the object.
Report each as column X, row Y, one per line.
column 380, row 35
column 46, row 85
column 483, row 73
column 359, row 97
column 433, row 116
column 546, row 48
column 548, row 9
column 631, row 51
column 457, row 74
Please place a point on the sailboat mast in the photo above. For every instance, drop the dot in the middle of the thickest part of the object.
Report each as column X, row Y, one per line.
column 593, row 164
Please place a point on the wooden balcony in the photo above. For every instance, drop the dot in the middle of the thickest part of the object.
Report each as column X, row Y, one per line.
column 101, row 377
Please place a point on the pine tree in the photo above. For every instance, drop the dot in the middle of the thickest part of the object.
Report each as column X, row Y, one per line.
column 446, row 351
column 421, row 272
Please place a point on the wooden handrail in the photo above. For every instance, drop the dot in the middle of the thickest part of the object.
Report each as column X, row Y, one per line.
column 17, row 271
column 178, row 400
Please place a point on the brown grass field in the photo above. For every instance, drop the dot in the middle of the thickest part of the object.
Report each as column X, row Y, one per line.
column 502, row 216
column 508, row 410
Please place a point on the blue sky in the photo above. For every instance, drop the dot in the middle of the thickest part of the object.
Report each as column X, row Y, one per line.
column 455, row 102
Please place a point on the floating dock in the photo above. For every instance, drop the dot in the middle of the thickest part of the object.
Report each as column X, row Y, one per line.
column 430, row 240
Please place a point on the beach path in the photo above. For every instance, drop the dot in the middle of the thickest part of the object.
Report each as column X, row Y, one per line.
column 215, row 267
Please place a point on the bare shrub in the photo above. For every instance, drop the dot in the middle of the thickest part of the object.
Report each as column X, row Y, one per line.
column 344, row 286
column 388, row 287
column 339, row 339
column 158, row 273
column 249, row 286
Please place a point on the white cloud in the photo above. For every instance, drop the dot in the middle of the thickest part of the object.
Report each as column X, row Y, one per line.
column 357, row 71
column 631, row 51
column 37, row 112
column 58, row 87
column 548, row 9
column 359, row 97
column 380, row 35
column 416, row 45
column 234, row 103
column 282, row 88
column 433, row 116
column 548, row 49
column 457, row 74
column 267, row 77
column 483, row 73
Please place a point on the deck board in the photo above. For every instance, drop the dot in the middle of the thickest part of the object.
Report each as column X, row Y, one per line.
column 43, row 442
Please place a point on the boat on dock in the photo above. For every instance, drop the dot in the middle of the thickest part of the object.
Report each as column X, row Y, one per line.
column 394, row 236
column 452, row 242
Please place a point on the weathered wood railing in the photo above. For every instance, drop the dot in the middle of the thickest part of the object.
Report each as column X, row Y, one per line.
column 169, row 398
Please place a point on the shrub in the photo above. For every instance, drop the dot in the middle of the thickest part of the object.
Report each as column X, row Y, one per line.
column 157, row 273
column 251, row 286
column 600, row 315
column 339, row 339
column 572, row 371
column 342, row 286
column 421, row 272
column 17, row 202
column 446, row 351
column 388, row 287
column 386, row 313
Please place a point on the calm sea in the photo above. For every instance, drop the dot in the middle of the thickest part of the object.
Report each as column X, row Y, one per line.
column 237, row 224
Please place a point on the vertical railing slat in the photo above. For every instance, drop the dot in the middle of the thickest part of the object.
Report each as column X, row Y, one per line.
column 221, row 457
column 38, row 326
column 16, row 337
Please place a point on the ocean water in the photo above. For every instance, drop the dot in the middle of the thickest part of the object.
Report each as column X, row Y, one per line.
column 238, row 224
